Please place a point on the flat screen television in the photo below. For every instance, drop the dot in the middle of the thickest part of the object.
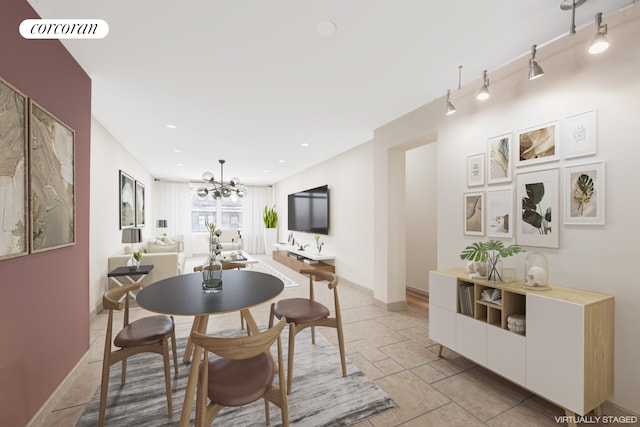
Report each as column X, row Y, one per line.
column 309, row 210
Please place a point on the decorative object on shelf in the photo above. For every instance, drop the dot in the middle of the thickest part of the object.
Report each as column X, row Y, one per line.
column 491, row 252
column 221, row 188
column 536, row 272
column 137, row 255
column 537, row 222
column 212, row 268
column 517, row 323
column 132, row 235
column 302, row 246
column 319, row 243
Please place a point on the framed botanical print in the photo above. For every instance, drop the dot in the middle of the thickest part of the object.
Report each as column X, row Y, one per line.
column 140, row 210
column 537, row 222
column 580, row 135
column 584, row 194
column 499, row 159
column 475, row 170
column 14, row 214
column 127, row 200
column 474, row 214
column 538, row 144
column 51, row 181
column 500, row 213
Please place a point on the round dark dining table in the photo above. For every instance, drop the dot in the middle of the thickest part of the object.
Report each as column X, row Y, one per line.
column 182, row 296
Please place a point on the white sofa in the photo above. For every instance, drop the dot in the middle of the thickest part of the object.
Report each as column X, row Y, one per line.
column 166, row 254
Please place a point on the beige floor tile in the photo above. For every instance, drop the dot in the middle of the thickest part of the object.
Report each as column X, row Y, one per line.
column 451, row 363
column 402, row 320
column 389, row 366
column 62, row 418
column 373, row 331
column 475, row 396
column 367, row 349
column 499, row 383
column 417, row 334
column 409, row 354
column 369, row 369
column 428, row 374
column 522, row 416
column 447, row 415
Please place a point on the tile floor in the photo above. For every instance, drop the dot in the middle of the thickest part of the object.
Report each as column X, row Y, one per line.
column 391, row 348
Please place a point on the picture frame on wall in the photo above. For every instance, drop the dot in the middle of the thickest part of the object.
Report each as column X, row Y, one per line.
column 584, row 194
column 475, row 170
column 14, row 214
column 499, row 159
column 537, row 218
column 538, row 144
column 474, row 214
column 580, row 135
column 140, row 204
column 500, row 213
column 127, row 200
column 51, row 181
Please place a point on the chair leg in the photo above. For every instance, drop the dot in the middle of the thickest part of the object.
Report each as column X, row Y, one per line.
column 103, row 391
column 313, row 335
column 241, row 322
column 123, row 379
column 189, row 347
column 271, row 316
column 175, row 352
column 292, row 340
column 342, row 352
column 267, row 414
column 167, row 375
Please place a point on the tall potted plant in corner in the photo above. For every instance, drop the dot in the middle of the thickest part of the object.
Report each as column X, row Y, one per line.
column 270, row 218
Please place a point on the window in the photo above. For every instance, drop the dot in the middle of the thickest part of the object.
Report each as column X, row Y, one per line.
column 225, row 212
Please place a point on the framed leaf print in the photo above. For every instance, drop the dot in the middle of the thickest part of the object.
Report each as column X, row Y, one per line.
column 537, row 222
column 14, row 214
column 499, row 159
column 538, row 144
column 474, row 214
column 584, row 194
column 500, row 213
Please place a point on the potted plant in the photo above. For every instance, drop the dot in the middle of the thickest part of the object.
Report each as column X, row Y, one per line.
column 270, row 218
column 137, row 255
column 490, row 252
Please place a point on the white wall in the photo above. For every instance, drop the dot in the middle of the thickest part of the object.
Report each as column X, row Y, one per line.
column 349, row 177
column 421, row 225
column 107, row 158
column 596, row 258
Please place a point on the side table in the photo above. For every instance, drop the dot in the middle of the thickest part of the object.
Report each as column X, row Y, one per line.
column 129, row 274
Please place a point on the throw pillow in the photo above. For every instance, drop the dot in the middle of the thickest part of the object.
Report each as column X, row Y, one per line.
column 153, row 248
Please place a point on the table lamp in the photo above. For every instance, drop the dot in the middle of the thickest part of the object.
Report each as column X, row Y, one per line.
column 131, row 235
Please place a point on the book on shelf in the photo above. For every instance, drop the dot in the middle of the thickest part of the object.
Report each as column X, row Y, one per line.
column 492, row 295
column 310, row 261
column 465, row 294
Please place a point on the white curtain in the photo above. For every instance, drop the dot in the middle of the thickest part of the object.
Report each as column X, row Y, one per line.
column 172, row 201
column 253, row 205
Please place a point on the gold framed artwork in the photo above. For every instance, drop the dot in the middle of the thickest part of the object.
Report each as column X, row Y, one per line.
column 538, row 144
column 52, row 180
column 474, row 214
column 14, row 214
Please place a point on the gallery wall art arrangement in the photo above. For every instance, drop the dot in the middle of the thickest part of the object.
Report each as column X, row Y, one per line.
column 37, row 177
column 538, row 192
column 132, row 201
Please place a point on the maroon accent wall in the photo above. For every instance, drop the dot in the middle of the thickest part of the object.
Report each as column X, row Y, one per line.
column 44, row 298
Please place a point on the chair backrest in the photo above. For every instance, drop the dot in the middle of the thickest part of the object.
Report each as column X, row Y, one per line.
column 111, row 299
column 228, row 265
column 244, row 347
column 322, row 274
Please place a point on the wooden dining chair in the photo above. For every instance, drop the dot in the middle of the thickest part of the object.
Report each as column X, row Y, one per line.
column 149, row 334
column 228, row 265
column 302, row 313
column 243, row 373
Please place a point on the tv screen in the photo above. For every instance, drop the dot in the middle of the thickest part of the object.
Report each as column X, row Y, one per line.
column 309, row 210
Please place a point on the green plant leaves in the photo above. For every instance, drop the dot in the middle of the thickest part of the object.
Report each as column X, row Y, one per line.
column 532, row 211
column 584, row 191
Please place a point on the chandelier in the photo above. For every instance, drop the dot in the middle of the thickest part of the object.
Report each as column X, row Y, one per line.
column 220, row 188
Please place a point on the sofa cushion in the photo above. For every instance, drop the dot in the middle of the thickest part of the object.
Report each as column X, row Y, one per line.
column 154, row 248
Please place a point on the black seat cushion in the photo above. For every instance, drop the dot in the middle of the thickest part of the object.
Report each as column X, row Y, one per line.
column 145, row 331
column 238, row 382
column 300, row 310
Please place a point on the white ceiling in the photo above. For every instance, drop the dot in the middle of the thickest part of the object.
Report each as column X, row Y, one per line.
column 249, row 81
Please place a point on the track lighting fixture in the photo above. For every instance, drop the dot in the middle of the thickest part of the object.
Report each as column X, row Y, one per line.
column 450, row 107
column 571, row 5
column 484, row 91
column 600, row 42
column 535, row 70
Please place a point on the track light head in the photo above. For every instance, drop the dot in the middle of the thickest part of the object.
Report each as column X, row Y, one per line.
column 600, row 42
column 484, row 91
column 535, row 70
column 450, row 107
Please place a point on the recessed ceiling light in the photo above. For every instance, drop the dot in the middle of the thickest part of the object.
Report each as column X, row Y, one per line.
column 281, row 161
column 266, row 171
column 177, row 150
column 172, row 126
column 305, row 144
column 180, row 164
column 326, row 28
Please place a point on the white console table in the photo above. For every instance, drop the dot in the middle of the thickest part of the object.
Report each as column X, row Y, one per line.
column 565, row 354
column 294, row 258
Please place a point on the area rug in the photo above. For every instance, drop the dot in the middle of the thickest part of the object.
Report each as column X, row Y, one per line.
column 263, row 266
column 320, row 396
